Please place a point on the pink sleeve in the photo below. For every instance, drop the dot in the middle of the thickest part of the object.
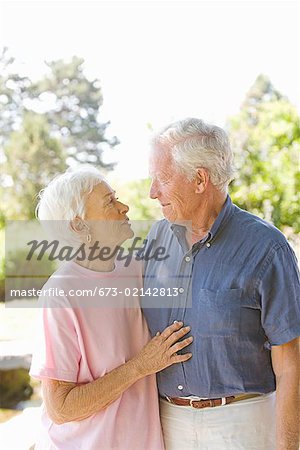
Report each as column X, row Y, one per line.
column 57, row 352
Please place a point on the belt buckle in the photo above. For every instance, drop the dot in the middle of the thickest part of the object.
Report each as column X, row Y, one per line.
column 198, row 401
column 211, row 403
column 168, row 398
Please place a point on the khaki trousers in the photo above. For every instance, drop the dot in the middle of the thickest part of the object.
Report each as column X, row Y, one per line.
column 244, row 425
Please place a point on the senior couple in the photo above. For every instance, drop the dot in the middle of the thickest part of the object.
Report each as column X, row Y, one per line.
column 225, row 346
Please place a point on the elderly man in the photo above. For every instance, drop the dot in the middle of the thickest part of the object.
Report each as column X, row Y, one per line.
column 233, row 278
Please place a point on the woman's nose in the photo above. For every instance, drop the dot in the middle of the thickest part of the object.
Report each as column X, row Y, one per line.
column 124, row 208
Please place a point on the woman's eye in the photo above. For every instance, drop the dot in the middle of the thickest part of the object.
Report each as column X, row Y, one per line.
column 112, row 200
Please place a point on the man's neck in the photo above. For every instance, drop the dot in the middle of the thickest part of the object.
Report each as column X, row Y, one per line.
column 205, row 215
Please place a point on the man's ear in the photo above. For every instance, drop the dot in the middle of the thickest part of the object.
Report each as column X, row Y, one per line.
column 201, row 180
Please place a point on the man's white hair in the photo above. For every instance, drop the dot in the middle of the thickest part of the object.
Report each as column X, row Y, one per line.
column 64, row 199
column 194, row 144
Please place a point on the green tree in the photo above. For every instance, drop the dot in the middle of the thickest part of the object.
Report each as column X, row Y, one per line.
column 72, row 105
column 266, row 140
column 13, row 92
column 136, row 195
column 33, row 157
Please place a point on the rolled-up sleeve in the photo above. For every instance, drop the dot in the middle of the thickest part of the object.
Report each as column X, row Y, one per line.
column 279, row 291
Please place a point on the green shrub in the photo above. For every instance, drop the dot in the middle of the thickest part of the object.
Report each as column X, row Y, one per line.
column 22, row 274
column 14, row 387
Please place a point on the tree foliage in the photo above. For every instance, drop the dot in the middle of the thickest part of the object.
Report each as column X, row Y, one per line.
column 136, row 195
column 34, row 147
column 266, row 140
column 73, row 110
column 13, row 92
column 33, row 157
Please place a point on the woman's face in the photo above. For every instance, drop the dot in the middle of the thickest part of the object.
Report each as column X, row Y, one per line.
column 107, row 216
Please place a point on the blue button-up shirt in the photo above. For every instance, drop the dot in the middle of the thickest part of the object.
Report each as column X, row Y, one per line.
column 238, row 289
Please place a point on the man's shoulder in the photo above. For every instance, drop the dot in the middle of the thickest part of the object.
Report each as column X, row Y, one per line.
column 158, row 227
column 253, row 227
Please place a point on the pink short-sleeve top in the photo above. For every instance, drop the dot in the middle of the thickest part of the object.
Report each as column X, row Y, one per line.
column 86, row 329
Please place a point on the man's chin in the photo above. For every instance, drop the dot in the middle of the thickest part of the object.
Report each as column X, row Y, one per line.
column 172, row 218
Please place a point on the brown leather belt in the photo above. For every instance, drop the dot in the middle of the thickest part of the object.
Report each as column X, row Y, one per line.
column 208, row 403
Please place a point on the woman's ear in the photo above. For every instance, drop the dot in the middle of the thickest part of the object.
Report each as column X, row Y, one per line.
column 201, row 180
column 78, row 225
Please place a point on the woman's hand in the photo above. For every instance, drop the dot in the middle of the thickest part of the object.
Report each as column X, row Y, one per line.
column 66, row 401
column 160, row 352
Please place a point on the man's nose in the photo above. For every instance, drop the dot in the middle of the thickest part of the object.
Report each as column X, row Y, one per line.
column 153, row 190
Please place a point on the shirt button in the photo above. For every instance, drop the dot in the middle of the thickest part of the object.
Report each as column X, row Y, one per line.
column 208, row 244
column 180, row 387
column 187, row 258
column 181, row 290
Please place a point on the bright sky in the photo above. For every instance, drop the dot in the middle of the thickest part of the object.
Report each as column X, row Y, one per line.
column 160, row 60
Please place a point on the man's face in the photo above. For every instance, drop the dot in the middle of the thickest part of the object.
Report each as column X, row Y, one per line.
column 174, row 192
column 107, row 216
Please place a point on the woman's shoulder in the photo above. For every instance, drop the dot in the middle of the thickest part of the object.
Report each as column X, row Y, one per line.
column 54, row 291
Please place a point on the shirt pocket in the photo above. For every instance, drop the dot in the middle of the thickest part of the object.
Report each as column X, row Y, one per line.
column 219, row 312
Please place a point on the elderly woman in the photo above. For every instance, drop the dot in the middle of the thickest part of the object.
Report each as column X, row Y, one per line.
column 94, row 356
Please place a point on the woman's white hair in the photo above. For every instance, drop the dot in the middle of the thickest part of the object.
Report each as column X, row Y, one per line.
column 64, row 199
column 195, row 144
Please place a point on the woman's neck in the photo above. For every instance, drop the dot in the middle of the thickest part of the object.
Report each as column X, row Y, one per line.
column 98, row 261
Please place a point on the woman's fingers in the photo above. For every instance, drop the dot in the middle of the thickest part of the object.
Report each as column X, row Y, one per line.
column 160, row 352
column 180, row 345
column 181, row 358
column 170, row 329
column 176, row 335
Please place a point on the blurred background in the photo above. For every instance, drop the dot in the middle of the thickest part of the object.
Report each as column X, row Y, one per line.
column 87, row 82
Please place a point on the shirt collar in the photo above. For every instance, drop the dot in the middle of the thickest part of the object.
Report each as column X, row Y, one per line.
column 225, row 213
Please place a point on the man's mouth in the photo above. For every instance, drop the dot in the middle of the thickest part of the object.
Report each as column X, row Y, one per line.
column 165, row 204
